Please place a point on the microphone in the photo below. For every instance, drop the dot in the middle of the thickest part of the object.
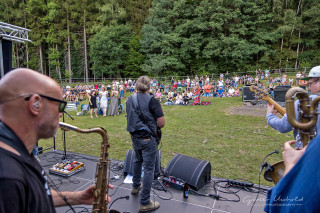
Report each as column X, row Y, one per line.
column 263, row 164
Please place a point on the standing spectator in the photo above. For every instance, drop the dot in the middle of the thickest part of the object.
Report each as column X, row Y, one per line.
column 236, row 81
column 121, row 89
column 284, row 79
column 93, row 103
column 298, row 76
column 266, row 72
column 291, row 81
column 207, row 92
column 113, row 108
column 104, row 100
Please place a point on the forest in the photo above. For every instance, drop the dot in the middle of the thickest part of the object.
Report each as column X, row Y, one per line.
column 83, row 39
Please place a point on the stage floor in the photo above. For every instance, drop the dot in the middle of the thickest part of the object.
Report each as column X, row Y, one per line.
column 170, row 201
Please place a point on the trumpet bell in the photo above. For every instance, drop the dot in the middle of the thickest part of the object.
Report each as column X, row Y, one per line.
column 275, row 172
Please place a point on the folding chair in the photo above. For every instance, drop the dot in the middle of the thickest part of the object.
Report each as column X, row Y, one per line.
column 179, row 89
column 72, row 107
column 84, row 109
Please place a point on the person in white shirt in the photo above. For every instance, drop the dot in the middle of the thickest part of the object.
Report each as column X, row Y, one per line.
column 231, row 91
column 179, row 99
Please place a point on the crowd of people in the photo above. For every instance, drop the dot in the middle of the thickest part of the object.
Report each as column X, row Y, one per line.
column 105, row 98
column 32, row 112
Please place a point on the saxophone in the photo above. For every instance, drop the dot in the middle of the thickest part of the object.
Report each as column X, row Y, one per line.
column 304, row 125
column 102, row 176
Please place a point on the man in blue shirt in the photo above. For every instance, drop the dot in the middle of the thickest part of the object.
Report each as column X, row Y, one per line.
column 281, row 124
column 298, row 190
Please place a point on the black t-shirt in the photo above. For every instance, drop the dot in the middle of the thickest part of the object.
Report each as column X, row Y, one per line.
column 156, row 110
column 23, row 185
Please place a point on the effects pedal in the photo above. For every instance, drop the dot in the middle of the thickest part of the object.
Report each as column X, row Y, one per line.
column 173, row 182
column 67, row 169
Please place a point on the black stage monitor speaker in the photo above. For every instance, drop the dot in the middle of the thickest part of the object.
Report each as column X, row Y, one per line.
column 7, row 55
column 129, row 160
column 197, row 173
column 280, row 93
column 247, row 94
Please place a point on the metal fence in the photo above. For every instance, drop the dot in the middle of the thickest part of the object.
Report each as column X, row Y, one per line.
column 272, row 72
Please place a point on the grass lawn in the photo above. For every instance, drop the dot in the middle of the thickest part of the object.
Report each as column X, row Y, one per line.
column 234, row 144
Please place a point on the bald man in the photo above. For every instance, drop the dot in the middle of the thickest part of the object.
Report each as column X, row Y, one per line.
column 30, row 107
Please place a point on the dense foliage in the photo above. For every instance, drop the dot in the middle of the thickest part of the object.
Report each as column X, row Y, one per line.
column 109, row 38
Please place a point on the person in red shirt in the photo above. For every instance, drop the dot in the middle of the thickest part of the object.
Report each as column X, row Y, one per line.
column 207, row 91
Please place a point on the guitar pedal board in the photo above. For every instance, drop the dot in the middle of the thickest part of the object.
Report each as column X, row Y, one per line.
column 67, row 169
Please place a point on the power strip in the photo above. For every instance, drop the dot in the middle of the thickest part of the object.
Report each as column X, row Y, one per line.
column 239, row 183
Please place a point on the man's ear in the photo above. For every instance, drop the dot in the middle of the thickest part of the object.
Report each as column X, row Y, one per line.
column 34, row 103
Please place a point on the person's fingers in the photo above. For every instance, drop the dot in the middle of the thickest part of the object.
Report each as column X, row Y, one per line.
column 289, row 143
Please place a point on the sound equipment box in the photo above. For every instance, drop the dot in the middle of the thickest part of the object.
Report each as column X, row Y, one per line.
column 129, row 160
column 280, row 93
column 247, row 94
column 196, row 173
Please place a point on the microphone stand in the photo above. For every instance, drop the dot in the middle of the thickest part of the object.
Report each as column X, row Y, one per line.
column 64, row 158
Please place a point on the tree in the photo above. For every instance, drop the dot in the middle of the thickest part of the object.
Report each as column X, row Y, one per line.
column 109, row 50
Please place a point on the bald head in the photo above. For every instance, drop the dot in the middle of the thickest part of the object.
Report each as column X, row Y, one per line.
column 25, row 108
column 22, row 80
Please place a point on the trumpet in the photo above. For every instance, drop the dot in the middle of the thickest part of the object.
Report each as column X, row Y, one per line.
column 102, row 176
column 307, row 119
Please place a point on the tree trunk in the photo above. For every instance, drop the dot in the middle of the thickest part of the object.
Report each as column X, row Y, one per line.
column 296, row 66
column 281, row 47
column 85, row 47
column 58, row 67
column 25, row 26
column 41, row 59
column 69, row 50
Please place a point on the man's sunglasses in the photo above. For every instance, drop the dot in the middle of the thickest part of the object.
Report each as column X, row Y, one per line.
column 62, row 105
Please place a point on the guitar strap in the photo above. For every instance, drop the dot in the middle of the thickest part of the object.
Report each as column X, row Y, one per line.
column 136, row 106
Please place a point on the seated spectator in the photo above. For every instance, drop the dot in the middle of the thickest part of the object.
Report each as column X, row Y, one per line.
column 185, row 98
column 190, row 94
column 220, row 92
column 231, row 92
column 169, row 99
column 162, row 87
column 158, row 95
column 215, row 93
column 236, row 92
column 179, row 100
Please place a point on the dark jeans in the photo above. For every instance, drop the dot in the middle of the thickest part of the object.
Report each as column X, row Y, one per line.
column 145, row 155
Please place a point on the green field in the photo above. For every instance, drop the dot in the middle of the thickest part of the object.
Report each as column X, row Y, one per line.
column 234, row 144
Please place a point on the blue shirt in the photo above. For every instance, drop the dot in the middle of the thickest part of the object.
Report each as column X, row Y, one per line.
column 299, row 190
column 282, row 124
